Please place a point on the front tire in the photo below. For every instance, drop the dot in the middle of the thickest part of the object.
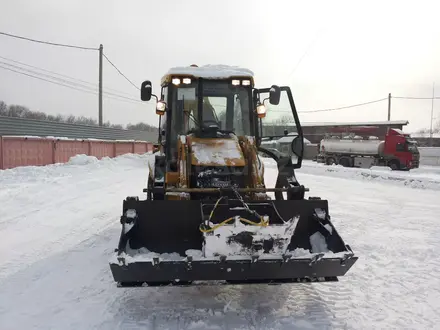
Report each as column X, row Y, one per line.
column 394, row 165
column 330, row 161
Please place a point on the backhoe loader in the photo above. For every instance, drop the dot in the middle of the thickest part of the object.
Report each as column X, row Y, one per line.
column 207, row 215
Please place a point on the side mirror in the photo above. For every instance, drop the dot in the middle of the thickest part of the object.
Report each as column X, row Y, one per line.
column 146, row 90
column 274, row 95
column 297, row 148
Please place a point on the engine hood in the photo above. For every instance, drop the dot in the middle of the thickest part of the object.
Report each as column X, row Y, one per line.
column 216, row 152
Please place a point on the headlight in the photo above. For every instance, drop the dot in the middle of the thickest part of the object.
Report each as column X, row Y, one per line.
column 160, row 108
column 261, row 111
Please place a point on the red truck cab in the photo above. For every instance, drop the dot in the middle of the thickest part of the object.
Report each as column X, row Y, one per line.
column 398, row 145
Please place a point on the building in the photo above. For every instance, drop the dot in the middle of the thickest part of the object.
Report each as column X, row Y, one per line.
column 315, row 131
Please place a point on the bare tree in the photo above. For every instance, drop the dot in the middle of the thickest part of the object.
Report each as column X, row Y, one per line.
column 19, row 111
column 436, row 128
column 141, row 127
column 3, row 108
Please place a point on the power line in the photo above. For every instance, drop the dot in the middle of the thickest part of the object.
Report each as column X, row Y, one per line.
column 85, row 88
column 47, row 42
column 320, row 110
column 61, row 75
column 68, row 82
column 123, row 75
column 332, row 109
column 415, row 98
column 345, row 107
column 50, row 81
column 318, row 34
column 47, row 75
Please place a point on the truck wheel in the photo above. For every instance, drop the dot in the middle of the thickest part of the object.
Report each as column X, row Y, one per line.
column 330, row 161
column 394, row 164
column 344, row 161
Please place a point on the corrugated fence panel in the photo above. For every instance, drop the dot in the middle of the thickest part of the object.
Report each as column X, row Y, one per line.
column 101, row 149
column 123, row 148
column 24, row 152
column 66, row 149
column 140, row 148
column 1, row 152
column 31, row 127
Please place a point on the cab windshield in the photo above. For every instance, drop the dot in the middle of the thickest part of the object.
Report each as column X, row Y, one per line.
column 412, row 146
column 225, row 107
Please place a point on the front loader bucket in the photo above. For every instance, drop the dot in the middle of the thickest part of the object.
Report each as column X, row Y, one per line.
column 179, row 242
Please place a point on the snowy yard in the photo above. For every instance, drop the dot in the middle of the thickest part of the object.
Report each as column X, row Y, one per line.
column 60, row 223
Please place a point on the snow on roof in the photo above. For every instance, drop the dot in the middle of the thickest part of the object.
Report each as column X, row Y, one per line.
column 289, row 138
column 364, row 123
column 399, row 131
column 285, row 139
column 210, row 71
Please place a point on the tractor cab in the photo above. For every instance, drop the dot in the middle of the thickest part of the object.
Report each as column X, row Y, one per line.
column 220, row 102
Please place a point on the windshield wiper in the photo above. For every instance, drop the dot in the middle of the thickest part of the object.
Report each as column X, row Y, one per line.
column 191, row 117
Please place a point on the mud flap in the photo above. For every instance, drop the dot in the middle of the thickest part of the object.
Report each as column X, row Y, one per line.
column 161, row 241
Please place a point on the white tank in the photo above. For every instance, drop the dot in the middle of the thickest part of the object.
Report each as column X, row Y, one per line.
column 351, row 146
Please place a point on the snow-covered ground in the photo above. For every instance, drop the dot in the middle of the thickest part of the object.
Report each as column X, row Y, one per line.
column 59, row 225
column 424, row 177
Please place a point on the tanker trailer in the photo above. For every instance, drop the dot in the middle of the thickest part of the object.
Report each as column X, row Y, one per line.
column 395, row 151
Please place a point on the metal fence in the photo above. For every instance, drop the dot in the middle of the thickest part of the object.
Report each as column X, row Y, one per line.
column 36, row 151
column 430, row 156
column 30, row 127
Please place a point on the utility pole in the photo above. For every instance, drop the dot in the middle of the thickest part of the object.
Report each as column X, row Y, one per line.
column 389, row 106
column 100, row 84
column 432, row 114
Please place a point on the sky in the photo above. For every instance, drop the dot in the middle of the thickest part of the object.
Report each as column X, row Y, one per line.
column 331, row 54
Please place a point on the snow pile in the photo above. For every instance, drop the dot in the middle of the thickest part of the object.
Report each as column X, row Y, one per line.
column 219, row 242
column 82, row 159
column 77, row 165
column 143, row 254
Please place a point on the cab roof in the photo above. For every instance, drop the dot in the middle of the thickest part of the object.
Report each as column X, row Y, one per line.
column 218, row 71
